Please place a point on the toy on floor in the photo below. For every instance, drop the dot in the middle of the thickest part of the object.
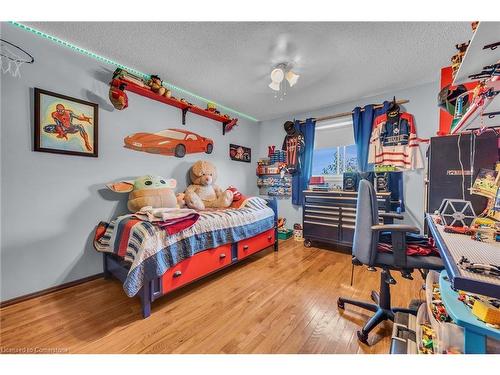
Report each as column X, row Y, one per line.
column 203, row 192
column 298, row 233
column 153, row 191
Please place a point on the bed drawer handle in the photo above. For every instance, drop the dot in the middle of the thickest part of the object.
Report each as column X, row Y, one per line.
column 245, row 247
column 222, row 256
column 269, row 238
column 177, row 273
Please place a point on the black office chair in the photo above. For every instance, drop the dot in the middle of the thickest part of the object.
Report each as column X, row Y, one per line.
column 364, row 251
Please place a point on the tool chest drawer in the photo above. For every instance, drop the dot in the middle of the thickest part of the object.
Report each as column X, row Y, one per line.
column 251, row 245
column 330, row 217
column 195, row 267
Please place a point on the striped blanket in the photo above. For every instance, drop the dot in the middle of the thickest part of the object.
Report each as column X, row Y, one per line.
column 151, row 251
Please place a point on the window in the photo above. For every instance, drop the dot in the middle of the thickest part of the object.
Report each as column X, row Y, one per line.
column 191, row 137
column 334, row 149
column 335, row 160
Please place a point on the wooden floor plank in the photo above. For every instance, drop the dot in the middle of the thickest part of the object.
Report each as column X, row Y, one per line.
column 281, row 302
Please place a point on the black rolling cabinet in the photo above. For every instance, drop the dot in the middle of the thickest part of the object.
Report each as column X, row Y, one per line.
column 330, row 217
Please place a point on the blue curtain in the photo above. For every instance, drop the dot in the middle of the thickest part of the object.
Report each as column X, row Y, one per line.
column 301, row 179
column 362, row 127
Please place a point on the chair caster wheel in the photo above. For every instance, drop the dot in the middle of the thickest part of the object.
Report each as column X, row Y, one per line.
column 363, row 337
column 340, row 304
column 307, row 243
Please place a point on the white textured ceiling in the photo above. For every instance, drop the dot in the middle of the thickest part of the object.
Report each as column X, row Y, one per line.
column 230, row 62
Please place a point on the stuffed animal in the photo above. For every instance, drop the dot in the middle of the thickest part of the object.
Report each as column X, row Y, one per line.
column 203, row 193
column 154, row 191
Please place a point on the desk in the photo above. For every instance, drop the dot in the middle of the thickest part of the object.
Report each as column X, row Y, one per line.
column 453, row 246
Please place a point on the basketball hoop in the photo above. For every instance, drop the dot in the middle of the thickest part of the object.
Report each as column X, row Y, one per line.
column 12, row 58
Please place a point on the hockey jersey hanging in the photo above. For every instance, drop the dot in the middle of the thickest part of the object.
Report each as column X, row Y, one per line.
column 394, row 145
column 293, row 145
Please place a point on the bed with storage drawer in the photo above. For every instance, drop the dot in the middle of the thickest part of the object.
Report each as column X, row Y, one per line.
column 151, row 263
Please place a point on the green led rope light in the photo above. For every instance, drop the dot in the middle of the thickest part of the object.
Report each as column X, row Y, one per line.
column 128, row 69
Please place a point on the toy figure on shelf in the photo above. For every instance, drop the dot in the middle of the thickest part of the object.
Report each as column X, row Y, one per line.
column 118, row 97
column 156, row 85
column 128, row 77
column 211, row 107
column 293, row 145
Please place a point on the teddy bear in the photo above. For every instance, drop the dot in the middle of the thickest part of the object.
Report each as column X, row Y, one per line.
column 203, row 192
column 153, row 191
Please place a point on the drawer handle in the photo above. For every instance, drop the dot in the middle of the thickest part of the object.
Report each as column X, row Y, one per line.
column 245, row 247
column 222, row 256
column 269, row 238
column 177, row 273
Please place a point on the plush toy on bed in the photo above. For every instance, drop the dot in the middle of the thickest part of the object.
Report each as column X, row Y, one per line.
column 203, row 193
column 154, row 191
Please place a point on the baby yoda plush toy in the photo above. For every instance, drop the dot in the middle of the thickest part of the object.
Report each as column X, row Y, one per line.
column 154, row 191
column 203, row 192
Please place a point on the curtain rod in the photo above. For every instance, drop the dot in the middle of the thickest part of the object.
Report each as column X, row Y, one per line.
column 345, row 114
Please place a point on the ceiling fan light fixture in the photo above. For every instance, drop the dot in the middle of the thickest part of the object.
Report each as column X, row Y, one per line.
column 275, row 86
column 292, row 78
column 277, row 75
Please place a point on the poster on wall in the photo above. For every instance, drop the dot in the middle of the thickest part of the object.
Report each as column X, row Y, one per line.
column 170, row 142
column 65, row 125
column 240, row 153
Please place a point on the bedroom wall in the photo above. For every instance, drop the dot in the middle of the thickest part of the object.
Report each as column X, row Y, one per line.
column 422, row 105
column 51, row 203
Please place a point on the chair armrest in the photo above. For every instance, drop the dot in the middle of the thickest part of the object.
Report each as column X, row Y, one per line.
column 395, row 228
column 398, row 236
column 391, row 215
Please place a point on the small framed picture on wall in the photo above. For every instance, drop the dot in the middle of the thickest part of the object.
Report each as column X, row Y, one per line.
column 65, row 125
column 240, row 153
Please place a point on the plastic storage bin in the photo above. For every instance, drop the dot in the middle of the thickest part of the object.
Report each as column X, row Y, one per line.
column 450, row 337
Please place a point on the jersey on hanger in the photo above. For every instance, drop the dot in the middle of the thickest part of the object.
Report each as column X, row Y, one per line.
column 293, row 145
column 395, row 145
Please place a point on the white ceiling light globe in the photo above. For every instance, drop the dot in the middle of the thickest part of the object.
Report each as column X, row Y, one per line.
column 292, row 78
column 277, row 75
column 275, row 86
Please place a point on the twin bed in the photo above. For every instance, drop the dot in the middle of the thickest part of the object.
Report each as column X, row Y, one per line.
column 151, row 263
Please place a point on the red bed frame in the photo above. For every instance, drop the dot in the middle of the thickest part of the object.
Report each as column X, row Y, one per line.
column 196, row 267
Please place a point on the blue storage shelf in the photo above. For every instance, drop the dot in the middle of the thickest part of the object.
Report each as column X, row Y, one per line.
column 475, row 331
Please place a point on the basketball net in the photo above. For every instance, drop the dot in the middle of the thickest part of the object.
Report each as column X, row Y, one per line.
column 11, row 66
column 12, row 58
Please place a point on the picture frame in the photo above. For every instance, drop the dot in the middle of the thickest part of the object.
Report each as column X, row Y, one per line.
column 240, row 153
column 65, row 125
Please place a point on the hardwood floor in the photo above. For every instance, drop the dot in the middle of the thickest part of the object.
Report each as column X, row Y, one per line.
column 281, row 302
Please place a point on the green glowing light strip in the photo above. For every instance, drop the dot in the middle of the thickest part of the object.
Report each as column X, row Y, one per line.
column 128, row 69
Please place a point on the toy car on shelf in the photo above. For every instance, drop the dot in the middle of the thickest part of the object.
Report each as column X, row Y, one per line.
column 170, row 142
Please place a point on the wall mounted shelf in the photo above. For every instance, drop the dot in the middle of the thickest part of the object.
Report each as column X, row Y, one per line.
column 227, row 122
column 483, row 50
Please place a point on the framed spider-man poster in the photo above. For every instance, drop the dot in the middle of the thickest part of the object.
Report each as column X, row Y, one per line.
column 65, row 125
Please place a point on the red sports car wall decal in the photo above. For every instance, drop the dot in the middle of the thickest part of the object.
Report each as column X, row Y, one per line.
column 170, row 142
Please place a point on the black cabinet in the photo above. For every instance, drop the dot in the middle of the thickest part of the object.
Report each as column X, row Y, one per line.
column 330, row 217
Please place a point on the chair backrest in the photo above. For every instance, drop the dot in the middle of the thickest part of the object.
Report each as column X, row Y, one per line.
column 365, row 241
